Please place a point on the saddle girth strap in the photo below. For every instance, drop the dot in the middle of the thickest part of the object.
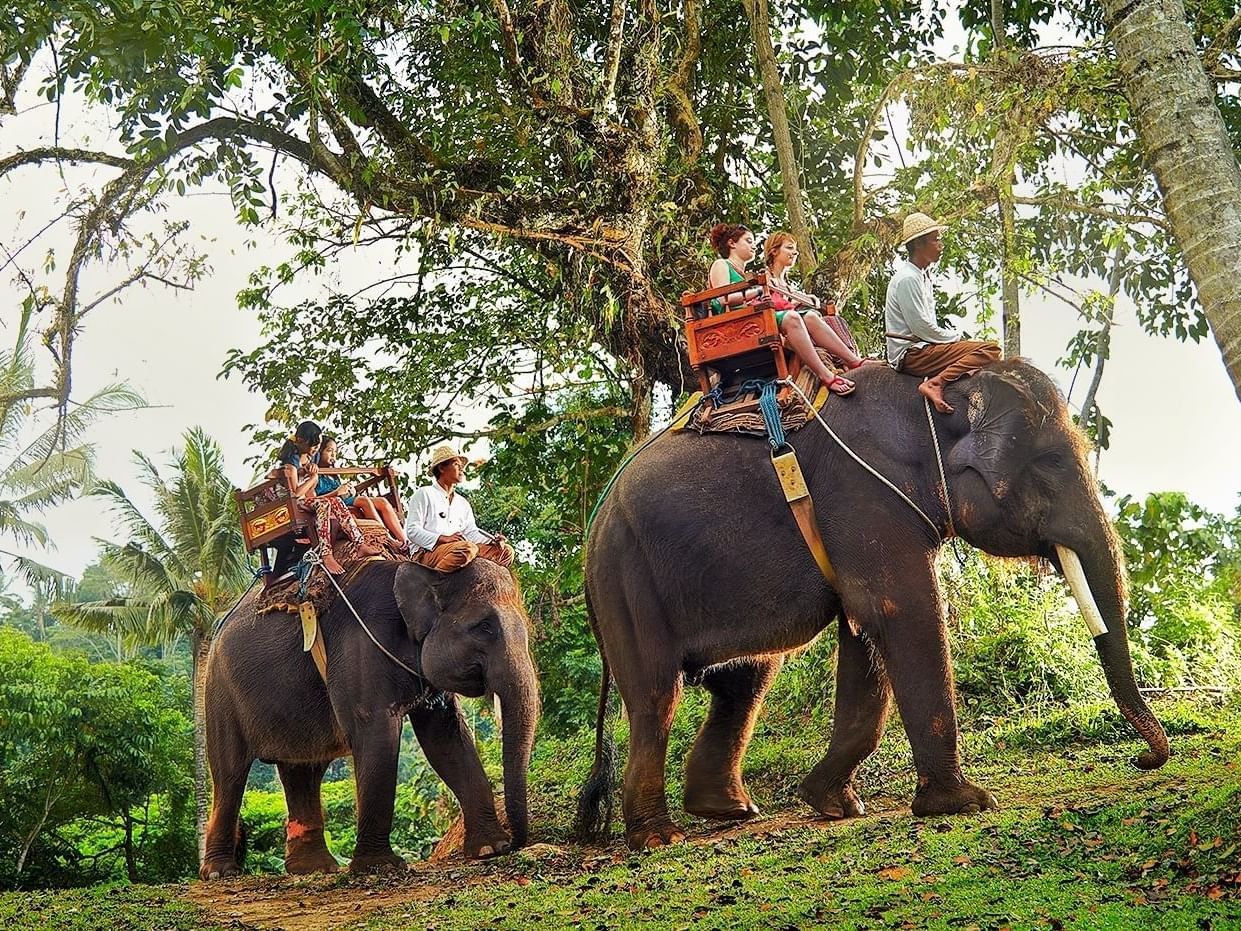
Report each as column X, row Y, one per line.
column 797, row 494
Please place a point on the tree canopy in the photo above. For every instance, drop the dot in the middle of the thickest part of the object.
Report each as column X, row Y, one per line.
column 535, row 180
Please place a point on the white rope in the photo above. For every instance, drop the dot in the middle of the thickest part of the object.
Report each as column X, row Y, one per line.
column 313, row 558
column 863, row 463
column 939, row 461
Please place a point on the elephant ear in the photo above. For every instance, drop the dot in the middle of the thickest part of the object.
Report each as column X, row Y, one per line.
column 415, row 591
column 1002, row 412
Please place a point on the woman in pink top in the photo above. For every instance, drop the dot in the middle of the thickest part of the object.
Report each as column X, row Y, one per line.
column 780, row 253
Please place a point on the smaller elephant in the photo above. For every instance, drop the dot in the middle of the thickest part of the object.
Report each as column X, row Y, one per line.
column 465, row 633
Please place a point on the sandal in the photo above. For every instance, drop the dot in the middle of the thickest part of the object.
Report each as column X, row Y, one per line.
column 837, row 380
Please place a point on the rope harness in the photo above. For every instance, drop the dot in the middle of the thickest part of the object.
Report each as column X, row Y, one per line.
column 312, row 559
column 869, row 468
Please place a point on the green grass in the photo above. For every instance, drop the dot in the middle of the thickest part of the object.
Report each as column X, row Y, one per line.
column 1083, row 840
column 111, row 907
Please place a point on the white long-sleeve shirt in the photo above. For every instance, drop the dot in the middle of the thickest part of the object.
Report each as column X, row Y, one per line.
column 432, row 515
column 909, row 311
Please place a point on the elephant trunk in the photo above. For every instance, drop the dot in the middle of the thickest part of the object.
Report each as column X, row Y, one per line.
column 519, row 700
column 1098, row 566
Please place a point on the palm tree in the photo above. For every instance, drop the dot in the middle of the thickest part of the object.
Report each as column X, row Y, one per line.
column 186, row 567
column 1186, row 143
column 41, row 470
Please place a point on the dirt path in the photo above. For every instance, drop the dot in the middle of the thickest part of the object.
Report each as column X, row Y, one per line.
column 322, row 902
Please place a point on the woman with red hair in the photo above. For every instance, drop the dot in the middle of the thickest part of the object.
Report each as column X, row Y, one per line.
column 734, row 244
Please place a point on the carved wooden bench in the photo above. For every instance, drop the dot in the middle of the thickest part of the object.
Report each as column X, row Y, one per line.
column 272, row 517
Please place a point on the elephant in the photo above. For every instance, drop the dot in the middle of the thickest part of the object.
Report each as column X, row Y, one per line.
column 464, row 633
column 696, row 573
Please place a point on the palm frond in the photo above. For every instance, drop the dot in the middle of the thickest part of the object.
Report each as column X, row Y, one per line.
column 140, row 530
column 42, row 578
column 13, row 524
column 68, row 430
column 142, row 569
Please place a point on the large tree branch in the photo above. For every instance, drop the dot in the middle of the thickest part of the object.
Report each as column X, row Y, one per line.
column 1118, row 215
column 612, row 54
column 51, row 153
column 680, row 84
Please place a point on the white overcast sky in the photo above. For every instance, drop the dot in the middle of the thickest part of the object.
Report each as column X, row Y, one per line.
column 1177, row 421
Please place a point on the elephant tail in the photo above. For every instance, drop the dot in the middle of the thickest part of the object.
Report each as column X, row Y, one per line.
column 594, row 804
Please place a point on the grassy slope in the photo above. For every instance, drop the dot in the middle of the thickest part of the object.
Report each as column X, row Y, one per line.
column 1083, row 840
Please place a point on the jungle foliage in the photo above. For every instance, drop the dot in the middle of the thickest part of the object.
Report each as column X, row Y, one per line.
column 527, row 186
column 95, row 769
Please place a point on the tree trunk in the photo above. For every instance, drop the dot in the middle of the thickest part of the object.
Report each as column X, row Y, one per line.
column 1010, row 297
column 202, row 786
column 1104, row 344
column 131, row 863
column 777, row 115
column 1188, row 149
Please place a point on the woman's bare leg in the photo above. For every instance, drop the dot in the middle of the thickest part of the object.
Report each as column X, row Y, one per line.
column 387, row 513
column 821, row 334
column 796, row 335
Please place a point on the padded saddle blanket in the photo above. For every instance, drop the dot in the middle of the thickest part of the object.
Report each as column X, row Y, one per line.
column 741, row 414
column 284, row 595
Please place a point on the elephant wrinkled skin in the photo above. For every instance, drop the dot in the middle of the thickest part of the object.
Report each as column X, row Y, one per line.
column 464, row 633
column 696, row 572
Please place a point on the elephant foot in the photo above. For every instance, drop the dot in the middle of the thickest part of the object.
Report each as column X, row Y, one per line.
column 375, row 862
column 218, row 868
column 835, row 804
column 485, row 847
column 648, row 838
column 720, row 804
column 297, row 862
column 958, row 798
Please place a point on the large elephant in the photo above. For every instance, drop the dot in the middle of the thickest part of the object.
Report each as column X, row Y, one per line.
column 464, row 634
column 696, row 573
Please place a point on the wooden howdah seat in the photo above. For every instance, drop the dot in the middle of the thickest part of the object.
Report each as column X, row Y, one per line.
column 271, row 517
column 740, row 343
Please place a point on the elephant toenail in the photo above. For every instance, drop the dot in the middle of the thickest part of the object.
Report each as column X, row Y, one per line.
column 486, row 850
column 214, row 874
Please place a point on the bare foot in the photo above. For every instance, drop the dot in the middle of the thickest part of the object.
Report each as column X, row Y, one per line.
column 933, row 391
column 841, row 386
column 368, row 549
column 330, row 563
column 398, row 543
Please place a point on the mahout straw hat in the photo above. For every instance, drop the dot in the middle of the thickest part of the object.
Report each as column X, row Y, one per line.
column 443, row 453
column 915, row 225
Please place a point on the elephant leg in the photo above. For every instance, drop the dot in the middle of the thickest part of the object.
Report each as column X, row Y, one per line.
column 713, row 786
column 913, row 644
column 651, row 706
column 230, row 761
column 863, row 697
column 376, row 743
column 305, row 850
column 449, row 748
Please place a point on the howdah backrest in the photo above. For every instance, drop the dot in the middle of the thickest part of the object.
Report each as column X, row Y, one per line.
column 738, row 337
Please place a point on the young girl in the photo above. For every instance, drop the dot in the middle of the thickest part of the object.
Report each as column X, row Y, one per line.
column 377, row 509
column 295, row 462
column 735, row 246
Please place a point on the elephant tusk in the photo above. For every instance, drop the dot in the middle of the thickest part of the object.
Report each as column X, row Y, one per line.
column 495, row 705
column 1076, row 577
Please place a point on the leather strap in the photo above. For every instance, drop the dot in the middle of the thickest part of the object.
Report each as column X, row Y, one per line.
column 797, row 494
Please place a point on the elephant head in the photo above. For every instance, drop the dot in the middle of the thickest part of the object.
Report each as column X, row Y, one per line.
column 472, row 634
column 1019, row 484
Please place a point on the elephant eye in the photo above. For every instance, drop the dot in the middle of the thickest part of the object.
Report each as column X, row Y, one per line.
column 484, row 628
